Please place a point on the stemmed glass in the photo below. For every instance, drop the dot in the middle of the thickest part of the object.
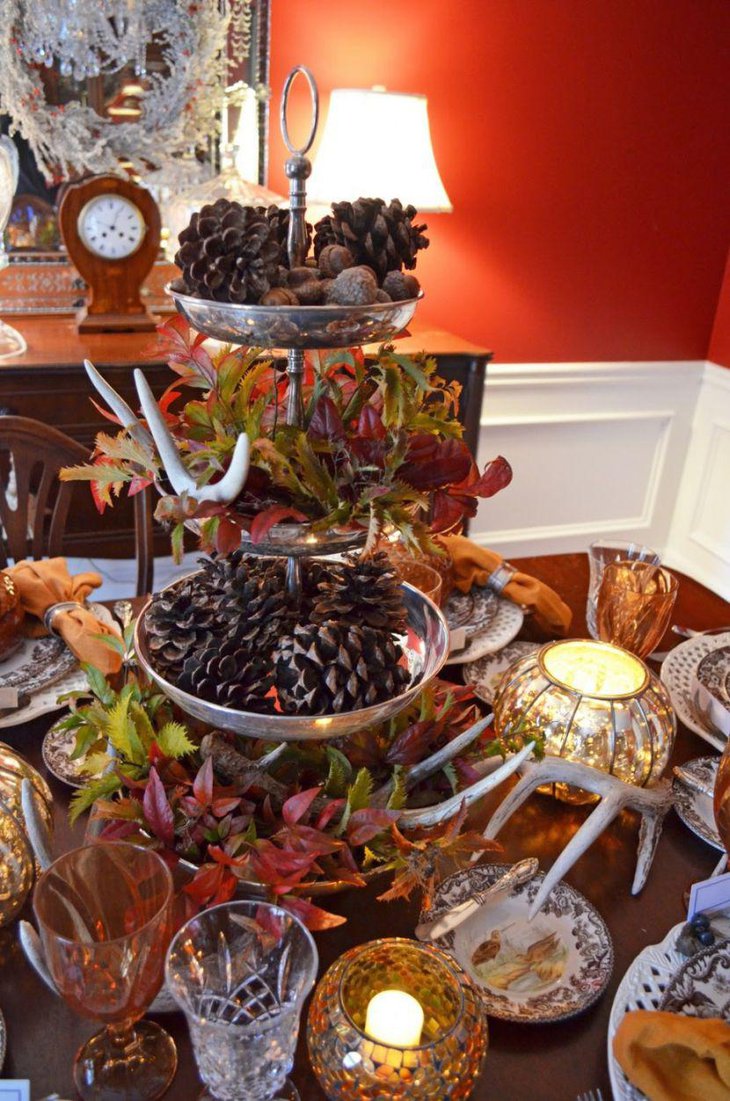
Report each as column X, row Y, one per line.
column 104, row 916
column 635, row 603
column 240, row 972
column 601, row 554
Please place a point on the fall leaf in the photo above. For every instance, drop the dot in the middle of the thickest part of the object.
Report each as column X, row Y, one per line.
column 265, row 520
column 157, row 810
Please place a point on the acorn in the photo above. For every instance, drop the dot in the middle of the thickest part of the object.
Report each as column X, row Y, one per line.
column 279, row 296
column 382, row 296
column 354, row 287
column 400, row 286
column 335, row 258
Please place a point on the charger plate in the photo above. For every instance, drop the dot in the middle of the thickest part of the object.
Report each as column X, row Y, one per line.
column 677, row 672
column 642, row 987
column 695, row 809
column 549, row 969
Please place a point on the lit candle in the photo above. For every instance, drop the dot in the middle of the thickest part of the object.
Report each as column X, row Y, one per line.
column 394, row 1018
column 595, row 668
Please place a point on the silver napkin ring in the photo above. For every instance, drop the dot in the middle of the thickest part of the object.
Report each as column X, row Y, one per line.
column 55, row 609
column 500, row 577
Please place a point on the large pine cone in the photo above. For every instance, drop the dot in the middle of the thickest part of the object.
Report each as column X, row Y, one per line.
column 365, row 591
column 178, row 621
column 228, row 253
column 278, row 219
column 326, row 668
column 254, row 601
column 382, row 237
column 230, row 675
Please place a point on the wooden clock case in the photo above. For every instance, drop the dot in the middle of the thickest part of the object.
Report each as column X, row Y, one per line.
column 114, row 304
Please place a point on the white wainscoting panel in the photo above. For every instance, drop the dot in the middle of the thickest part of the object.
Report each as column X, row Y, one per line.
column 699, row 542
column 596, row 449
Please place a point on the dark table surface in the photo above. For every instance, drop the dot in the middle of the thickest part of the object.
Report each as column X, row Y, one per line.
column 549, row 1062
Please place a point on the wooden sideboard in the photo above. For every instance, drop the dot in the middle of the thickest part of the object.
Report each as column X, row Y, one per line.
column 48, row 383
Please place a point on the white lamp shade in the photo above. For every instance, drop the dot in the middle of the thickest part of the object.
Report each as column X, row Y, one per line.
column 377, row 144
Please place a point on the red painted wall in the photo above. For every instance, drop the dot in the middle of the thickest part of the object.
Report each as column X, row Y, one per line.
column 719, row 351
column 584, row 147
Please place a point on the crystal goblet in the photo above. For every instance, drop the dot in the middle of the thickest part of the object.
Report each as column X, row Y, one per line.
column 104, row 915
column 600, row 555
column 635, row 603
column 240, row 972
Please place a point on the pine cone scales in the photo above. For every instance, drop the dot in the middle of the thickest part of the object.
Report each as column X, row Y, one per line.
column 278, row 219
column 328, row 668
column 379, row 235
column 230, row 675
column 366, row 592
column 177, row 622
column 228, row 253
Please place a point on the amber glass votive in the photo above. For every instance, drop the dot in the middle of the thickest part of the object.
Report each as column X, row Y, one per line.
column 353, row 1065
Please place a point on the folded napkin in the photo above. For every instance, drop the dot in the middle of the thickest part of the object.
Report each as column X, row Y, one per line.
column 474, row 565
column 675, row 1058
column 47, row 582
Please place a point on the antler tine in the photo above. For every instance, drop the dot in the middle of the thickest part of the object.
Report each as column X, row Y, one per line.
column 226, row 489
column 439, row 812
column 118, row 405
column 512, row 802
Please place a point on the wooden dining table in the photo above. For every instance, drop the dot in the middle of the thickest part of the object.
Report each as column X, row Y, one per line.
column 546, row 1062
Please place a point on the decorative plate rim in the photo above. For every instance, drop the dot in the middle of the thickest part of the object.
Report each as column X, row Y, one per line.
column 673, row 678
column 661, row 960
column 526, row 647
column 561, row 893
column 48, row 738
column 684, row 805
column 507, row 620
column 718, row 951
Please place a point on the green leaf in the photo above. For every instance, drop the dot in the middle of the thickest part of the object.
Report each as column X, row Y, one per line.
column 122, row 733
column 358, row 797
column 98, row 683
column 340, row 773
column 450, row 773
column 145, row 730
column 413, row 369
column 173, row 740
column 177, row 542
column 399, row 794
column 318, row 478
column 86, row 796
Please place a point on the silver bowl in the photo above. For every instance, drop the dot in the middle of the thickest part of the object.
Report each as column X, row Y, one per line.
column 300, row 541
column 295, row 326
column 426, row 646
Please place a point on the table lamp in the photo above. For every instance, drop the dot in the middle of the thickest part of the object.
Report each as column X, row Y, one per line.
column 378, row 144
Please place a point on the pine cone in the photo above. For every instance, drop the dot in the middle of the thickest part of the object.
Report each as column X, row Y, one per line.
column 363, row 591
column 230, row 675
column 326, row 668
column 178, row 621
column 229, row 253
column 278, row 219
column 381, row 236
column 254, row 602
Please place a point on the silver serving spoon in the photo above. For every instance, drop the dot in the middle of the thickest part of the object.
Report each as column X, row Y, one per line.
column 516, row 875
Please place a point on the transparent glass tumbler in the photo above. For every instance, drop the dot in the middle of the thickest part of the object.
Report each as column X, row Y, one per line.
column 240, row 972
column 635, row 603
column 600, row 554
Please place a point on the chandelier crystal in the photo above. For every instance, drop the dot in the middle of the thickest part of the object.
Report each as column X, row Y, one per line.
column 86, row 37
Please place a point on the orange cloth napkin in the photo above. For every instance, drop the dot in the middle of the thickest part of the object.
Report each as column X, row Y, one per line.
column 675, row 1058
column 474, row 565
column 48, row 582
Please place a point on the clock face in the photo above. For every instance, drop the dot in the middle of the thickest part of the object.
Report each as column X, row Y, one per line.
column 111, row 227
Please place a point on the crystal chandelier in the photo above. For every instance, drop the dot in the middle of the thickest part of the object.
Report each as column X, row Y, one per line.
column 85, row 37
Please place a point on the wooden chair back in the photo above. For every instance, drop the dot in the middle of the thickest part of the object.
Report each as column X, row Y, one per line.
column 34, row 504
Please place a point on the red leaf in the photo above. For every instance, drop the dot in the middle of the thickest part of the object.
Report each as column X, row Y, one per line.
column 314, row 917
column 222, row 807
column 326, row 422
column 497, row 475
column 203, row 783
column 137, row 484
column 211, row 885
column 99, row 502
column 157, row 810
column 370, row 425
column 265, row 520
column 432, row 463
column 448, row 511
column 408, row 748
column 332, row 808
column 297, row 806
column 228, row 536
column 366, row 824
column 117, row 831
column 105, row 414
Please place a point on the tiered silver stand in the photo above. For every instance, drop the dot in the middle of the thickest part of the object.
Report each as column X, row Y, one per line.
column 297, row 328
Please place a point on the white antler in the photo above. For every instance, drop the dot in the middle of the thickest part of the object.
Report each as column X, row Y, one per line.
column 226, row 489
column 119, row 407
column 651, row 803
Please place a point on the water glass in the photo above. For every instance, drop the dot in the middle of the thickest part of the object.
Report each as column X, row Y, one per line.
column 635, row 603
column 104, row 916
column 240, row 972
column 600, row 554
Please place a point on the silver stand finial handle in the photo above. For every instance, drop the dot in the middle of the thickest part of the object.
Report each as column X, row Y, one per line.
column 298, row 168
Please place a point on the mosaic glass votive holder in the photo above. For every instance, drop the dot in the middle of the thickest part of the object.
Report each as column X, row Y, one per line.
column 353, row 1066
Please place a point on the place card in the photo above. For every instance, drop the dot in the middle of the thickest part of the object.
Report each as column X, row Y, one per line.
column 14, row 1089
column 709, row 896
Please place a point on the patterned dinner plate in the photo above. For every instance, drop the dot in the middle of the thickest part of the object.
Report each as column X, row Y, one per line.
column 490, row 621
column 547, row 969
column 695, row 809
column 485, row 674
column 58, row 745
column 701, row 986
column 677, row 672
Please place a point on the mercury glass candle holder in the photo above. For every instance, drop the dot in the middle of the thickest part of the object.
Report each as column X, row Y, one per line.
column 591, row 702
column 355, row 1065
column 240, row 972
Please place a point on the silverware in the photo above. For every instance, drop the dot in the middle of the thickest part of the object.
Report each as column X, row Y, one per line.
column 124, row 612
column 590, row 1095
column 689, row 632
column 516, row 875
column 693, row 782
